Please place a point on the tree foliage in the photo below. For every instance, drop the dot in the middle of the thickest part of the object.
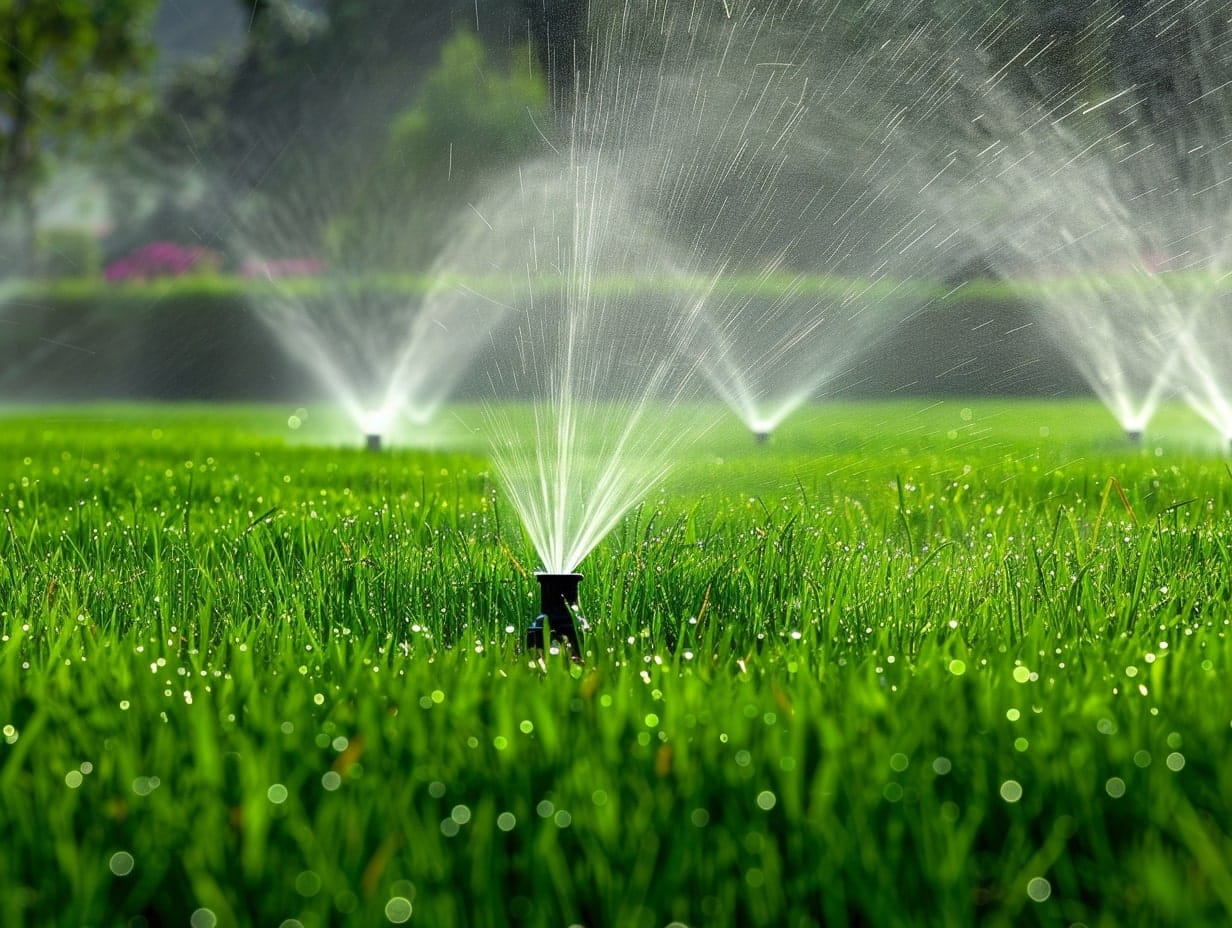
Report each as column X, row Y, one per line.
column 70, row 74
column 471, row 117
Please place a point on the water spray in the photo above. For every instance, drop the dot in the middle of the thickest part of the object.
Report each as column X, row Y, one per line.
column 558, row 615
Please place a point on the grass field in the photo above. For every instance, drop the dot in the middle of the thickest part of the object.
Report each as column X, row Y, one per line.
column 907, row 664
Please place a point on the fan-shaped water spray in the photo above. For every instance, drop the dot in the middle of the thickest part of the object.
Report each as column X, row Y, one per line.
column 1111, row 224
column 388, row 345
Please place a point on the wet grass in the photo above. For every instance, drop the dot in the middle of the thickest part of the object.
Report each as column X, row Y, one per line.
column 906, row 664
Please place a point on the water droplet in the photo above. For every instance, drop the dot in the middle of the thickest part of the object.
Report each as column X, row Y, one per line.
column 398, row 910
column 460, row 814
column 942, row 766
column 121, row 863
column 203, row 918
column 1011, row 790
column 957, row 667
column 766, row 800
column 331, row 780
column 1115, row 787
column 1039, row 889
column 506, row 821
column 1175, row 761
column 307, row 884
column 277, row 794
column 73, row 779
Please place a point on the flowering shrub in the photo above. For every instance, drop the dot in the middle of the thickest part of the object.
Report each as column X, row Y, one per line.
column 161, row 259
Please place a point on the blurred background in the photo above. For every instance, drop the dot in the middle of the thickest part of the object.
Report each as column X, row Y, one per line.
column 140, row 139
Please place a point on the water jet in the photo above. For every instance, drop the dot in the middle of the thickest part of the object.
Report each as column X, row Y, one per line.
column 558, row 616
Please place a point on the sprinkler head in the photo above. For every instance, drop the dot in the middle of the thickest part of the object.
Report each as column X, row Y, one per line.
column 372, row 441
column 761, row 437
column 558, row 622
column 1133, row 436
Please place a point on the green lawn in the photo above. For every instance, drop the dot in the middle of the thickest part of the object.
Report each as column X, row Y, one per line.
column 906, row 664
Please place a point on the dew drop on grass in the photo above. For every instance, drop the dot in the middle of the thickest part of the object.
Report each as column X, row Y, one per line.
column 1175, row 761
column 898, row 762
column 460, row 814
column 121, row 863
column 436, row 789
column 307, row 884
column 1142, row 759
column 277, row 794
column 398, row 910
column 1011, row 790
column 1039, row 889
column 73, row 779
column 957, row 667
column 942, row 766
column 766, row 800
column 331, row 780
column 1115, row 787
column 700, row 818
column 506, row 821
column 203, row 918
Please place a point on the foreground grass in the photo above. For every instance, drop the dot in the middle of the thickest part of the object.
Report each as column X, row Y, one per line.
column 946, row 665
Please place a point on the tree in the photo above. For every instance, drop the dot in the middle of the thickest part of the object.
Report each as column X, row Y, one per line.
column 71, row 72
column 472, row 117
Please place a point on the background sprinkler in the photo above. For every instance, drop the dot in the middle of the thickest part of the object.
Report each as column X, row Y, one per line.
column 375, row 424
column 761, row 437
column 557, row 615
column 1133, row 436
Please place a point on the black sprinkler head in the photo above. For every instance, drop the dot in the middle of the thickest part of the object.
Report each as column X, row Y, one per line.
column 1133, row 436
column 557, row 615
column 372, row 441
column 761, row 437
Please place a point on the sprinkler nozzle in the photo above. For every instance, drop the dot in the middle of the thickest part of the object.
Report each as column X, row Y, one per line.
column 558, row 615
column 761, row 437
column 372, row 441
column 1133, row 436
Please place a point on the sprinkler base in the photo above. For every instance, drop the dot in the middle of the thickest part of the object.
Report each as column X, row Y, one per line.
column 761, row 437
column 372, row 442
column 1133, row 436
column 558, row 622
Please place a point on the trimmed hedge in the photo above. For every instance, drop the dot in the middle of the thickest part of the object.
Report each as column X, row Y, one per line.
column 200, row 339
